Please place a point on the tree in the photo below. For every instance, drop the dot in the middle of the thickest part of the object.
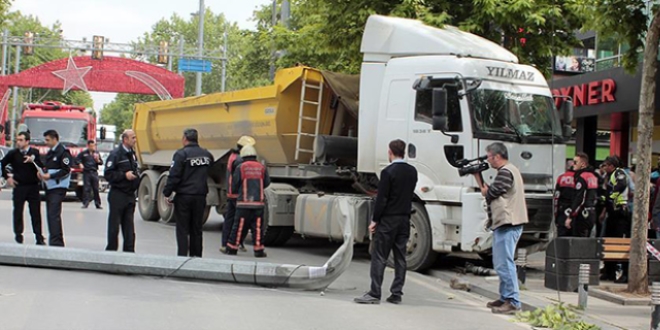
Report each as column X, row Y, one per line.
column 628, row 21
column 119, row 112
column 327, row 33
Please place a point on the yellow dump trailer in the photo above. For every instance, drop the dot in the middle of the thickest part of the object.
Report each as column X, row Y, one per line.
column 284, row 118
column 304, row 113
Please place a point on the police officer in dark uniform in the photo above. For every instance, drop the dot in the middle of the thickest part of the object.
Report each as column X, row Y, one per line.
column 250, row 180
column 57, row 177
column 234, row 161
column 90, row 160
column 583, row 209
column 618, row 216
column 187, row 179
column 121, row 172
column 25, row 184
column 564, row 196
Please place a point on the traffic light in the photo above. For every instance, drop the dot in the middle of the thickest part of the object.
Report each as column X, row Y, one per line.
column 162, row 53
column 29, row 39
column 97, row 43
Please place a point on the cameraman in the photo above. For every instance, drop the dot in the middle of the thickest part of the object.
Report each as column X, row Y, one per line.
column 507, row 212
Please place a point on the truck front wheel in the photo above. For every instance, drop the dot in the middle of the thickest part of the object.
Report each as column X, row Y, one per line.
column 419, row 251
column 276, row 235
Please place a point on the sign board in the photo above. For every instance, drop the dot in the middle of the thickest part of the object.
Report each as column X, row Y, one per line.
column 192, row 65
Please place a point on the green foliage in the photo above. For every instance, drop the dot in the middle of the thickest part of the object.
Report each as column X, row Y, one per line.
column 557, row 317
column 119, row 112
column 327, row 33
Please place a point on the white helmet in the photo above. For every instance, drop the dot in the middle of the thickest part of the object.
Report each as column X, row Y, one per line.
column 246, row 140
column 248, row 151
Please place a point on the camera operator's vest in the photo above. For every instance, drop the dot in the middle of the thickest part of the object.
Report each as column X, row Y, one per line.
column 510, row 208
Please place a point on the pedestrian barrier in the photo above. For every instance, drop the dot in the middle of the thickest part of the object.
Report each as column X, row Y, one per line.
column 223, row 270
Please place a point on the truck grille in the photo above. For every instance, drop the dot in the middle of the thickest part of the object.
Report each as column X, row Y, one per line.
column 539, row 212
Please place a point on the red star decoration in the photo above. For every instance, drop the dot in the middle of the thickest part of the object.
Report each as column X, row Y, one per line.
column 73, row 76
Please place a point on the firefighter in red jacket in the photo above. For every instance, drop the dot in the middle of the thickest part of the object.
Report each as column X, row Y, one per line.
column 249, row 181
column 564, row 196
column 582, row 218
column 233, row 162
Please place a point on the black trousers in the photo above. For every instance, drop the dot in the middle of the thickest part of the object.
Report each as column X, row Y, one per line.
column 229, row 220
column 91, row 188
column 189, row 219
column 581, row 226
column 618, row 224
column 248, row 218
column 391, row 235
column 29, row 194
column 122, row 209
column 54, row 198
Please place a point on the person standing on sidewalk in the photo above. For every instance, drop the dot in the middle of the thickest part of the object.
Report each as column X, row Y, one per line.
column 618, row 223
column 187, row 179
column 25, row 183
column 234, row 161
column 250, row 180
column 582, row 217
column 57, row 177
column 507, row 212
column 564, row 196
column 89, row 161
column 391, row 224
column 121, row 171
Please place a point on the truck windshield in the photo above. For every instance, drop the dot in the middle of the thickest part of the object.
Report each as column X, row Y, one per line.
column 105, row 146
column 71, row 131
column 519, row 115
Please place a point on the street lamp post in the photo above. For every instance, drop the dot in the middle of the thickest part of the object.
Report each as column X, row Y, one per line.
column 200, row 50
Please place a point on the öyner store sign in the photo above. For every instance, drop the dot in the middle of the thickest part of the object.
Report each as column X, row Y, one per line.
column 600, row 92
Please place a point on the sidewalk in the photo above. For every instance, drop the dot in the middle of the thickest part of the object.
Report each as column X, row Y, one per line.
column 602, row 313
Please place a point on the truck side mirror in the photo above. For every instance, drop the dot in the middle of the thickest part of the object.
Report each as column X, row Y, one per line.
column 439, row 108
column 102, row 133
column 567, row 111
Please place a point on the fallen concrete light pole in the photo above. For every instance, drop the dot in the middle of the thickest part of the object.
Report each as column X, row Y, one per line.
column 224, row 270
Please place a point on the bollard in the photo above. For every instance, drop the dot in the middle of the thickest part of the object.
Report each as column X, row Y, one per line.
column 521, row 264
column 655, row 301
column 583, row 286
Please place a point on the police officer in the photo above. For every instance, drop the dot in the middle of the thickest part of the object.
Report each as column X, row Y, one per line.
column 618, row 216
column 250, row 180
column 89, row 161
column 57, row 177
column 121, row 172
column 25, row 184
column 187, row 179
column 582, row 218
column 233, row 162
column 564, row 196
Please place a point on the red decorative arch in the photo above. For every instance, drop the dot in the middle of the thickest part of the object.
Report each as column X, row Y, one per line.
column 112, row 74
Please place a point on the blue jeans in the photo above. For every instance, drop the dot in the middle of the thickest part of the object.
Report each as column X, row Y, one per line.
column 505, row 240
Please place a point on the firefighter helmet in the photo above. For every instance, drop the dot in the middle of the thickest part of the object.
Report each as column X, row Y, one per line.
column 248, row 151
column 246, row 140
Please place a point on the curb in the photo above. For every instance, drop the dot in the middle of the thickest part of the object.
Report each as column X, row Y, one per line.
column 530, row 303
column 617, row 299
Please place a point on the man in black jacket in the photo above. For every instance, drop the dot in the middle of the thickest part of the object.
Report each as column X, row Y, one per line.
column 121, row 171
column 25, row 183
column 57, row 177
column 187, row 178
column 90, row 160
column 391, row 224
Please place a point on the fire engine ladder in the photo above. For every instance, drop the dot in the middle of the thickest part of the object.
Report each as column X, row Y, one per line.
column 302, row 116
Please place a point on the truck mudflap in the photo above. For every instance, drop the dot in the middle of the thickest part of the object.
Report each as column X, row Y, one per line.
column 536, row 234
column 316, row 215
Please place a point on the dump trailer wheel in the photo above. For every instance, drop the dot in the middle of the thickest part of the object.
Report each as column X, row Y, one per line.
column 147, row 197
column 165, row 209
column 207, row 214
column 419, row 253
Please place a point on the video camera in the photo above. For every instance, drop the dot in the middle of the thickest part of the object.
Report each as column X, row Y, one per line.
column 466, row 167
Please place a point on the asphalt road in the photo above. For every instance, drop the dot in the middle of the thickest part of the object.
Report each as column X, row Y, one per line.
column 32, row 298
